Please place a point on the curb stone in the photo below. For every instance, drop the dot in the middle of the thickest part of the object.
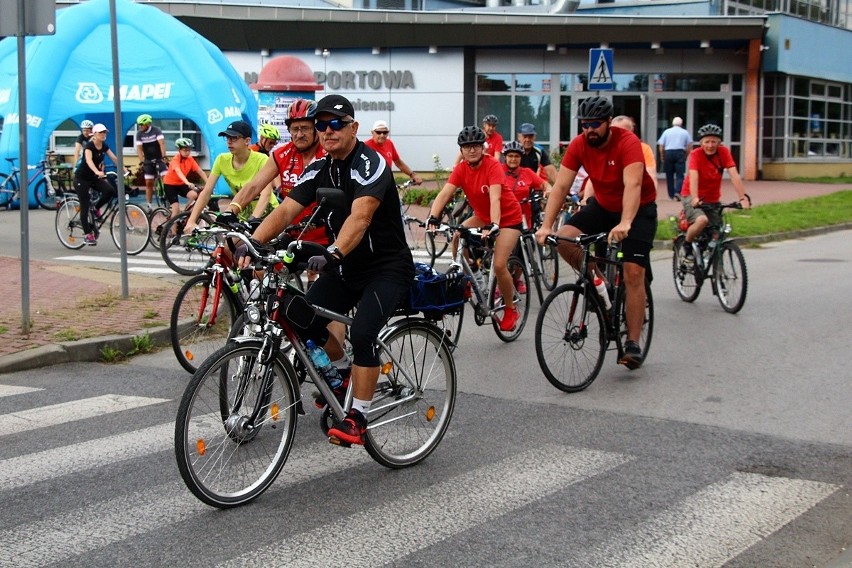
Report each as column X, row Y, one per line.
column 84, row 350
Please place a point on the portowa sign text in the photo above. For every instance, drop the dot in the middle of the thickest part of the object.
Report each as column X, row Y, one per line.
column 355, row 80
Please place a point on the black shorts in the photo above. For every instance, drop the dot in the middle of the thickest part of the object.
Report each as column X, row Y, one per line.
column 637, row 246
column 152, row 167
column 172, row 191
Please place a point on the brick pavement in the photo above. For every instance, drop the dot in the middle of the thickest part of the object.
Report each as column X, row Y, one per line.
column 68, row 302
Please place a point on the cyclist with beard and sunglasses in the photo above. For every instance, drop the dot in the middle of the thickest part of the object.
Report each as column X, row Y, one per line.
column 624, row 204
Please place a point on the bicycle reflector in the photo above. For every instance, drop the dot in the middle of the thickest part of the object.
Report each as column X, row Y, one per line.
column 387, row 368
column 201, row 446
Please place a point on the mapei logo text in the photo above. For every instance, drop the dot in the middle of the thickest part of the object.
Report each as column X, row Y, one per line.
column 32, row 120
column 91, row 93
column 215, row 115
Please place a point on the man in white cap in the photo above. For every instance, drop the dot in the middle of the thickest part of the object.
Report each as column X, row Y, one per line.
column 386, row 148
column 674, row 143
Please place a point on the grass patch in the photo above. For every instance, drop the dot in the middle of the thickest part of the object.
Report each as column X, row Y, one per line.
column 110, row 354
column 808, row 213
column 68, row 334
column 154, row 323
column 150, row 314
column 141, row 344
column 106, row 300
column 841, row 179
column 3, row 329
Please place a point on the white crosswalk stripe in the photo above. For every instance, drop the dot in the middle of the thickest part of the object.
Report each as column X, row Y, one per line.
column 12, row 390
column 426, row 517
column 61, row 413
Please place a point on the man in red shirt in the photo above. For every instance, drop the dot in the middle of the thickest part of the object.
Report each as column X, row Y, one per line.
column 624, row 204
column 495, row 208
column 380, row 142
column 706, row 165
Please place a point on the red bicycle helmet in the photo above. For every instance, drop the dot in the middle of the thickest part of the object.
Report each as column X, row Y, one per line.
column 301, row 109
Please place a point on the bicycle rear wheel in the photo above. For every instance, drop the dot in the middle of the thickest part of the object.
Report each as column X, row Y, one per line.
column 233, row 436
column 186, row 254
column 136, row 224
column 8, row 188
column 730, row 277
column 201, row 319
column 686, row 284
column 647, row 325
column 570, row 338
column 69, row 227
column 157, row 219
column 520, row 300
column 414, row 401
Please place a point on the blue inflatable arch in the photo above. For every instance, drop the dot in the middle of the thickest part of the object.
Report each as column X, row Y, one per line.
column 165, row 69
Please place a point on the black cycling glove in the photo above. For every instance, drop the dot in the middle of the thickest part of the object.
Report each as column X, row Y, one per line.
column 432, row 222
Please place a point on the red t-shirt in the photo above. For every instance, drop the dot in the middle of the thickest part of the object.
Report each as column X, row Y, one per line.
column 520, row 182
column 291, row 164
column 476, row 182
column 710, row 169
column 494, row 143
column 605, row 167
column 186, row 165
column 386, row 150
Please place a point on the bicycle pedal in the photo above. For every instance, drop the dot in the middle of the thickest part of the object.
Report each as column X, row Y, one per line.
column 338, row 442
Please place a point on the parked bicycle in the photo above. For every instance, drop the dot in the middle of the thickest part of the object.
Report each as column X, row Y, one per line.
column 45, row 190
column 69, row 225
column 236, row 421
column 576, row 325
column 715, row 256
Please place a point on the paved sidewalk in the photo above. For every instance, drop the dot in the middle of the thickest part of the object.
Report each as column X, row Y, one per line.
column 76, row 311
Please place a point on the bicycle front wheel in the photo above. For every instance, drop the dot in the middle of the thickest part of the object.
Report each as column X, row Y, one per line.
column 548, row 260
column 136, row 224
column 570, row 338
column 520, row 299
column 45, row 195
column 69, row 227
column 686, row 284
column 436, row 245
column 186, row 254
column 730, row 277
column 235, row 424
column 157, row 219
column 202, row 316
column 414, row 400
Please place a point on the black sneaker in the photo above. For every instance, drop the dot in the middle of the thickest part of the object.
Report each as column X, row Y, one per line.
column 350, row 430
column 687, row 250
column 632, row 358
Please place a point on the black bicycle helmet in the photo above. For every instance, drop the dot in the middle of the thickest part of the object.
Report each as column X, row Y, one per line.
column 595, row 107
column 471, row 135
column 513, row 146
column 490, row 119
column 709, row 130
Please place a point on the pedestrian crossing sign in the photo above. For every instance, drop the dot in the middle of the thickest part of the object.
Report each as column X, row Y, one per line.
column 600, row 70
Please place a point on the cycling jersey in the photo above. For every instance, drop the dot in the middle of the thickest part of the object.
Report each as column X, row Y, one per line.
column 534, row 158
column 291, row 164
column 476, row 182
column 84, row 172
column 710, row 169
column 150, row 142
column 605, row 167
column 493, row 143
column 383, row 250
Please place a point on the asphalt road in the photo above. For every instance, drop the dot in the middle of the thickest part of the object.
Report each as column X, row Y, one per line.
column 731, row 446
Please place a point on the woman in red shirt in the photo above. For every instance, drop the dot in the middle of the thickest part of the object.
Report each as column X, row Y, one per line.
column 495, row 209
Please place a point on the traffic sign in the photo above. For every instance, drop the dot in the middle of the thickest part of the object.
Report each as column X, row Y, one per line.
column 600, row 70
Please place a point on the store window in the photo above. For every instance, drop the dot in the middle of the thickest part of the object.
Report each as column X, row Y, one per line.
column 63, row 138
column 806, row 119
column 516, row 99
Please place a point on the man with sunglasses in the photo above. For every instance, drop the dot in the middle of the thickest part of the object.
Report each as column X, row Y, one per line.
column 623, row 204
column 380, row 142
column 372, row 267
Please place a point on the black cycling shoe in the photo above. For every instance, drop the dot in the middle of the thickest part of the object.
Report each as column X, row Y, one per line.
column 632, row 358
column 350, row 430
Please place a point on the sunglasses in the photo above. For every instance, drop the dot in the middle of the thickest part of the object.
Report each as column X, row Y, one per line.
column 335, row 124
column 384, row 132
column 591, row 124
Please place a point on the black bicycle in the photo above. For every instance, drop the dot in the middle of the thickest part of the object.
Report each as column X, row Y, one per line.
column 576, row 324
column 715, row 257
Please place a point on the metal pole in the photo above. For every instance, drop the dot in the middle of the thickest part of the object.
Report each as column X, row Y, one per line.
column 119, row 146
column 24, row 194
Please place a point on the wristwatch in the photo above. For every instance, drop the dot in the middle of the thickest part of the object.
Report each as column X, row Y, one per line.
column 335, row 252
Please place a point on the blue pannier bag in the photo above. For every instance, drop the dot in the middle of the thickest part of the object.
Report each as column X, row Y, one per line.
column 435, row 293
